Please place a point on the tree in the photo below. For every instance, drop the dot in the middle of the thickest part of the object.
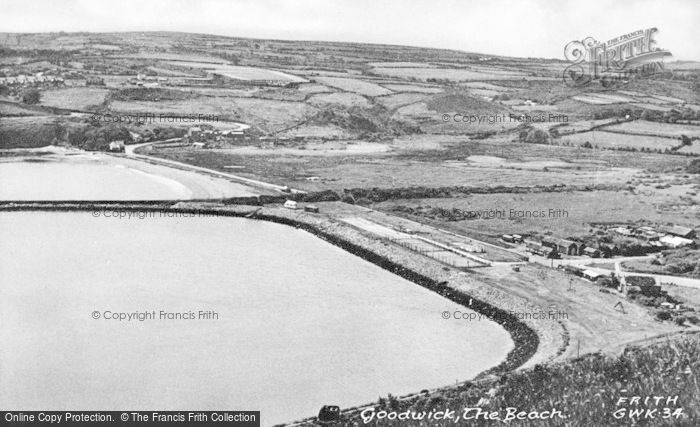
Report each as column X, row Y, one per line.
column 685, row 140
column 31, row 96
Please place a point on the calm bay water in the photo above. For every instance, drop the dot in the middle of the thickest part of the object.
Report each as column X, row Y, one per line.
column 301, row 323
column 97, row 176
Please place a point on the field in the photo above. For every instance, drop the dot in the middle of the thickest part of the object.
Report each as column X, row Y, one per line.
column 583, row 125
column 74, row 98
column 240, row 72
column 354, row 85
column 692, row 149
column 412, row 88
column 311, row 131
column 9, row 109
column 602, row 98
column 581, row 208
column 602, row 139
column 400, row 99
column 426, row 161
column 213, row 106
column 642, row 127
column 342, row 98
column 452, row 74
column 272, row 115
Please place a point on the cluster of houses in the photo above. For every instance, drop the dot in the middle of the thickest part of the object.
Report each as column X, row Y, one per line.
column 118, row 145
column 670, row 236
column 655, row 239
column 203, row 138
column 148, row 81
column 26, row 80
column 552, row 247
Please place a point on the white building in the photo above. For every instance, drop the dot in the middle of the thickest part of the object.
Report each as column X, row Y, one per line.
column 675, row 241
column 117, row 146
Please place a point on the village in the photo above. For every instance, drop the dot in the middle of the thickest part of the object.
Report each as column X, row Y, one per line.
column 610, row 240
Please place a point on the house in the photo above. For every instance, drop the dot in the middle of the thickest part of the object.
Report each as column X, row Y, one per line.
column 549, row 242
column 566, row 247
column 670, row 306
column 675, row 241
column 199, row 145
column 311, row 208
column 592, row 275
column 508, row 238
column 676, row 230
column 591, row 252
column 647, row 235
column 116, row 146
column 540, row 249
column 290, row 204
column 518, row 238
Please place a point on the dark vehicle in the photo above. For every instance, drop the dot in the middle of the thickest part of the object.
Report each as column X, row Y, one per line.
column 329, row 414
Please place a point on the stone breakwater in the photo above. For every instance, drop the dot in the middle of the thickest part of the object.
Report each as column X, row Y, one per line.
column 535, row 341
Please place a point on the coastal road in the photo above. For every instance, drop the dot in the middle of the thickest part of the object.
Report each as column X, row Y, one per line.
column 687, row 282
column 130, row 152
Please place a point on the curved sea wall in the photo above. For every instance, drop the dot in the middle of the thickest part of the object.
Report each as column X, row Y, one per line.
column 534, row 341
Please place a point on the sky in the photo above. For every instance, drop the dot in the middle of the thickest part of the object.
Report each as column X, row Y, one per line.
column 522, row 28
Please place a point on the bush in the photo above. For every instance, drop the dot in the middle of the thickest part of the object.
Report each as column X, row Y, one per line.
column 663, row 315
column 31, row 96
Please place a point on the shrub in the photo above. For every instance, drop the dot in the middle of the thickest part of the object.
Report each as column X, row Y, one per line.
column 31, row 96
column 663, row 315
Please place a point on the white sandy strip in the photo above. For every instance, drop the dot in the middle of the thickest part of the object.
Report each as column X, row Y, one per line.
column 180, row 190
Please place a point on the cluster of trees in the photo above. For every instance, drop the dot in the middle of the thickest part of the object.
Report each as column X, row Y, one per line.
column 531, row 135
column 671, row 116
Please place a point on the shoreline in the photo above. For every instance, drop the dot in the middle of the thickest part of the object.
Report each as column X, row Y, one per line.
column 534, row 341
